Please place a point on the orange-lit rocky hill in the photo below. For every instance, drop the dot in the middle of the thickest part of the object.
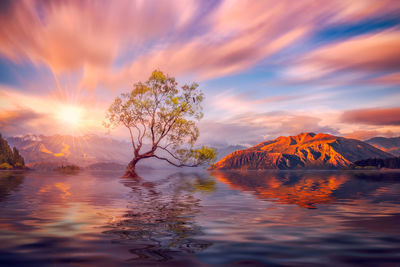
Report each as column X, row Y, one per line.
column 303, row 151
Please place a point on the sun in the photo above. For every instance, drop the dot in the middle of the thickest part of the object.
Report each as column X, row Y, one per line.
column 70, row 115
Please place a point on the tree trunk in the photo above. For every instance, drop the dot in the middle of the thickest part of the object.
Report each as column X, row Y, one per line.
column 130, row 169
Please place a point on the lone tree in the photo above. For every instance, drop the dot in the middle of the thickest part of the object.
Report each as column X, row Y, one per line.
column 159, row 113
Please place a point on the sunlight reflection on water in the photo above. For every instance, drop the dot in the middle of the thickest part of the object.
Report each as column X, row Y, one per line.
column 196, row 218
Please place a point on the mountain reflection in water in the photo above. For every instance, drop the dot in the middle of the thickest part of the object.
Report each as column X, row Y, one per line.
column 199, row 218
column 286, row 187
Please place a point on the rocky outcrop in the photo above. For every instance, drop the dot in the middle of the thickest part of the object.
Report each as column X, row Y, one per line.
column 303, row 151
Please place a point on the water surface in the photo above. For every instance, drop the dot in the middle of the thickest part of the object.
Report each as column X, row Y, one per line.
column 276, row 218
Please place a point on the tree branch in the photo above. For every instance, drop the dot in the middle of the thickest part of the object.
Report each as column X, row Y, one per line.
column 165, row 149
column 144, row 129
column 138, row 136
column 176, row 165
column 132, row 139
column 165, row 130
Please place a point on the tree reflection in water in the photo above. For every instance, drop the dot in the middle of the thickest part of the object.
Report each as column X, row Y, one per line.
column 160, row 221
column 9, row 181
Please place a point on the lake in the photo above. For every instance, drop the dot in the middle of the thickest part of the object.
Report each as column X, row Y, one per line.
column 275, row 218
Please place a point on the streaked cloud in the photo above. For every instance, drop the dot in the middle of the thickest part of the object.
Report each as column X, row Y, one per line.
column 367, row 53
column 391, row 79
column 15, row 121
column 83, row 35
column 89, row 37
column 284, row 77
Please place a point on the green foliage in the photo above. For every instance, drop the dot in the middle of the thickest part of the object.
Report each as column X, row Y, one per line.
column 68, row 169
column 9, row 156
column 374, row 163
column 18, row 160
column 5, row 166
column 203, row 154
column 164, row 115
column 205, row 185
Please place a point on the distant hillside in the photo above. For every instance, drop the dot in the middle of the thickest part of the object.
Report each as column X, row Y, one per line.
column 10, row 158
column 68, row 169
column 81, row 150
column 390, row 145
column 106, row 166
column 112, row 166
column 304, row 151
column 46, row 153
column 46, row 165
column 374, row 163
column 224, row 151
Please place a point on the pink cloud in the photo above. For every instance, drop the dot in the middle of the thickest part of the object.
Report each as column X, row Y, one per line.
column 74, row 35
column 370, row 52
column 251, row 128
column 116, row 43
column 89, row 36
column 207, row 59
column 372, row 116
column 357, row 10
column 22, row 113
column 393, row 78
column 15, row 121
column 241, row 34
column 367, row 134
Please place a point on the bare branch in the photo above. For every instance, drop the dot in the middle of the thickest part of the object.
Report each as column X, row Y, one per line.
column 165, row 130
column 132, row 139
column 144, row 129
column 176, row 165
column 139, row 133
column 169, row 152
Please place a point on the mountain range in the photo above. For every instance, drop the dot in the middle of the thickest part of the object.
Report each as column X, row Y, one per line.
column 84, row 150
column 390, row 145
column 303, row 151
column 88, row 151
column 306, row 150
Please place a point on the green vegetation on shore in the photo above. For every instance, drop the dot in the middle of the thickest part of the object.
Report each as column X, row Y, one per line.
column 68, row 169
column 10, row 158
column 376, row 163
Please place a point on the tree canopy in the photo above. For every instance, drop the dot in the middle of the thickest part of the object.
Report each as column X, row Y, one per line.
column 159, row 113
column 9, row 158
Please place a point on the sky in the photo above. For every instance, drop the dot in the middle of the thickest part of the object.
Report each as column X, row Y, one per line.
column 267, row 68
